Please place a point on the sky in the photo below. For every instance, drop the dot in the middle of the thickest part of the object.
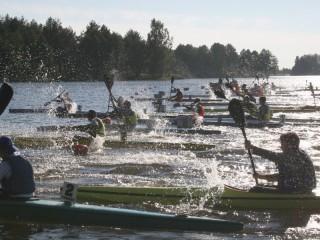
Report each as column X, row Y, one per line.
column 287, row 28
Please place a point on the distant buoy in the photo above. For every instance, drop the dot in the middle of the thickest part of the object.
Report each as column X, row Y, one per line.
column 80, row 149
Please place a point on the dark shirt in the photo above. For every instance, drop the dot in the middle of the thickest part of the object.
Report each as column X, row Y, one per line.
column 296, row 170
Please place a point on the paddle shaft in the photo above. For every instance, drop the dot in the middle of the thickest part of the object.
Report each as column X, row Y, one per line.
column 47, row 103
column 249, row 153
column 236, row 112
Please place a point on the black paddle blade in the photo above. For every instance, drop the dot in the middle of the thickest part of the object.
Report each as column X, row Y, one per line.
column 172, row 79
column 236, row 112
column 229, row 85
column 109, row 80
column 220, row 94
column 6, row 93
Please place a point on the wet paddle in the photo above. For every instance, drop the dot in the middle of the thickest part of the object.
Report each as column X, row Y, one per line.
column 59, row 96
column 236, row 112
column 220, row 94
column 172, row 80
column 109, row 81
column 6, row 93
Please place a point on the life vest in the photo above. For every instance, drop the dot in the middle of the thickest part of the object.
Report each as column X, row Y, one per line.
column 201, row 110
column 267, row 114
column 22, row 178
column 132, row 119
column 101, row 128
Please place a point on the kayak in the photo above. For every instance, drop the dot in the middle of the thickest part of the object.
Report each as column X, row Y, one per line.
column 274, row 110
column 239, row 198
column 249, row 123
column 63, row 142
column 164, row 195
column 192, row 130
column 48, row 211
column 229, row 197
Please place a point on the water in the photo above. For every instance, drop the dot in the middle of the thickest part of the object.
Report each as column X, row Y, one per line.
column 229, row 165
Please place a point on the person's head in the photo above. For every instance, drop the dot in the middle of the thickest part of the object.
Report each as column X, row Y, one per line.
column 121, row 100
column 91, row 114
column 6, row 146
column 289, row 140
column 127, row 104
column 246, row 99
column 262, row 99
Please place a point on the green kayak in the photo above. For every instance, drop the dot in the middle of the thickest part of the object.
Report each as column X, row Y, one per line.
column 48, row 211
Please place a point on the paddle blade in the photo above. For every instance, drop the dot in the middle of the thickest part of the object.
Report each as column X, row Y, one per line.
column 172, row 79
column 109, row 80
column 220, row 94
column 236, row 112
column 229, row 85
column 6, row 93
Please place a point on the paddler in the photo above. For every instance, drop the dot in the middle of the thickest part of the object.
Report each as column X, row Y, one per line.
column 16, row 172
column 296, row 173
column 198, row 113
column 129, row 120
column 265, row 112
column 69, row 105
column 178, row 97
column 96, row 130
column 250, row 107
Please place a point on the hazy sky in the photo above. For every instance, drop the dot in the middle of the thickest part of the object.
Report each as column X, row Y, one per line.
column 288, row 28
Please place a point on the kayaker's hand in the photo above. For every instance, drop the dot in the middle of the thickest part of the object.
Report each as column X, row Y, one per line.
column 247, row 144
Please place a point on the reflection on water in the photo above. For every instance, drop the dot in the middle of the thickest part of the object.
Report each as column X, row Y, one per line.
column 228, row 163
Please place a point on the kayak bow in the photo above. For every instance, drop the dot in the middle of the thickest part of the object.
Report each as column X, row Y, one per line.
column 48, row 211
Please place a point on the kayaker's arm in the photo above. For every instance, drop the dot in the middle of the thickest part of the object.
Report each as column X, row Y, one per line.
column 264, row 153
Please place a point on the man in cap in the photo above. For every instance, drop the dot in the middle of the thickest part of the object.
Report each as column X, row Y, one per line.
column 16, row 172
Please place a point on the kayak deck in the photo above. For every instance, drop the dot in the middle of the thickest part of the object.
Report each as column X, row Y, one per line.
column 81, row 214
column 45, row 142
column 238, row 198
column 164, row 195
column 229, row 197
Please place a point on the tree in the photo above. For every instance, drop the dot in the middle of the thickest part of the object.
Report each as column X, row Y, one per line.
column 159, row 44
column 62, row 46
column 307, row 65
column 135, row 51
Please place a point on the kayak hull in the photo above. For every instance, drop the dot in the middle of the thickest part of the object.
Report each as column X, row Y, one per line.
column 163, row 195
column 62, row 142
column 47, row 211
column 229, row 197
column 238, row 198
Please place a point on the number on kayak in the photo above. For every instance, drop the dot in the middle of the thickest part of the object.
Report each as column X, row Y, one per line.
column 69, row 192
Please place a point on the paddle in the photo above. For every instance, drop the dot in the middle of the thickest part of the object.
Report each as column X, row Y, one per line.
column 236, row 112
column 172, row 80
column 59, row 96
column 6, row 93
column 219, row 93
column 312, row 92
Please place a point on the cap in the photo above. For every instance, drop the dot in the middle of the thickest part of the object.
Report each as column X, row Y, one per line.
column 6, row 144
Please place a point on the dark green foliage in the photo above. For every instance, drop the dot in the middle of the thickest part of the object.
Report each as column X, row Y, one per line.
column 33, row 52
column 307, row 65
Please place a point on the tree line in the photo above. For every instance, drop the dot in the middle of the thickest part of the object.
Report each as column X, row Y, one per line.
column 34, row 52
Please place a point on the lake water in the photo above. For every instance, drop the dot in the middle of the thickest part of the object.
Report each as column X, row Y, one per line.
column 228, row 165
